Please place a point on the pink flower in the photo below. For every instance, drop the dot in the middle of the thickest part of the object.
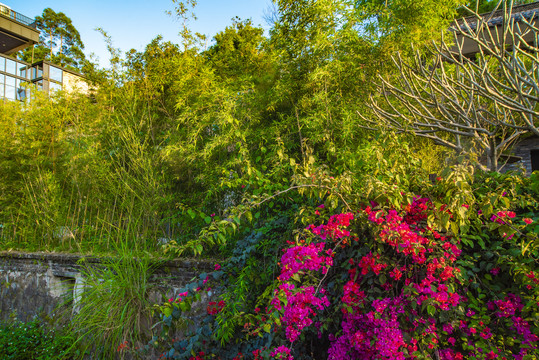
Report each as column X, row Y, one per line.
column 527, row 220
column 282, row 352
column 217, row 267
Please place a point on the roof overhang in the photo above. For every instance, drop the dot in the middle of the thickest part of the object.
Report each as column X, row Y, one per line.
column 490, row 29
column 15, row 36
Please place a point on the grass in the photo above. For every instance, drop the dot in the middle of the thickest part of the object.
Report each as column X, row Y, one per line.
column 113, row 315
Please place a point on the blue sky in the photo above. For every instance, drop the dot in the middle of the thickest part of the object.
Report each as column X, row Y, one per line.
column 133, row 24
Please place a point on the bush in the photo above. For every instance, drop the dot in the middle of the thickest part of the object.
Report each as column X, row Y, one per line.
column 34, row 341
column 448, row 271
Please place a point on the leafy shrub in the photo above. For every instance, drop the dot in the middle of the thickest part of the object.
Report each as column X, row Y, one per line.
column 33, row 340
column 413, row 270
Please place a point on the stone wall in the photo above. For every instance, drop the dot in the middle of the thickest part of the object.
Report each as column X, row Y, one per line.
column 522, row 151
column 33, row 283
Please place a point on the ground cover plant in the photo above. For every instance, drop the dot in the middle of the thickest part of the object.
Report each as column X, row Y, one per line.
column 35, row 339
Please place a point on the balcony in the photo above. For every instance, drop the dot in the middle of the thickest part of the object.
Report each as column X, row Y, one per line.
column 20, row 18
column 17, row 31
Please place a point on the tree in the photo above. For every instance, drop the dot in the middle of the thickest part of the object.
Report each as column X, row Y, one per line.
column 59, row 41
column 237, row 51
column 483, row 103
column 394, row 24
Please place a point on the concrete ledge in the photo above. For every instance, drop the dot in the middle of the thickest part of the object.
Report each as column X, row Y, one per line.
column 33, row 283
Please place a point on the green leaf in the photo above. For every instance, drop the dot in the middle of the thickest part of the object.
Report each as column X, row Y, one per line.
column 222, row 237
column 481, row 243
column 454, row 228
column 184, row 306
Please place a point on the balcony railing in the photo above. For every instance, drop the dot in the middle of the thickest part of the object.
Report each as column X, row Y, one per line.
column 20, row 18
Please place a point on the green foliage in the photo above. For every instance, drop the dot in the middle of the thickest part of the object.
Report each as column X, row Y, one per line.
column 397, row 24
column 228, row 153
column 34, row 340
column 174, row 129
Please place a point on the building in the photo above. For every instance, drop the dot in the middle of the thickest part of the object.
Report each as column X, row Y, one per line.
column 494, row 23
column 18, row 32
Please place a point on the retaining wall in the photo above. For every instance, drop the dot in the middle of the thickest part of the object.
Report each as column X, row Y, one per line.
column 33, row 283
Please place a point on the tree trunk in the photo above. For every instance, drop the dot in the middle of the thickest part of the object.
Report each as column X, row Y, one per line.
column 50, row 43
column 493, row 155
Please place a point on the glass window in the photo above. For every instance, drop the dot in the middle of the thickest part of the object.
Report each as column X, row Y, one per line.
column 54, row 87
column 11, row 81
column 11, row 67
column 55, row 73
column 2, row 79
column 35, row 72
column 22, row 72
column 11, row 92
column 2, row 63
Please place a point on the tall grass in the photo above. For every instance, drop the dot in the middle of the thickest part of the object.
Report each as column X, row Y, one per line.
column 114, row 308
column 78, row 177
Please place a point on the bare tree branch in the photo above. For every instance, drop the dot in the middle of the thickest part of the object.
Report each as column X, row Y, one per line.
column 490, row 98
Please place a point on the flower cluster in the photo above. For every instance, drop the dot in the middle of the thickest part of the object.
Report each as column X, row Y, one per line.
column 502, row 217
column 372, row 335
column 282, row 353
column 214, row 308
column 200, row 356
column 404, row 295
column 506, row 307
column 335, row 229
column 375, row 329
column 300, row 309
column 302, row 258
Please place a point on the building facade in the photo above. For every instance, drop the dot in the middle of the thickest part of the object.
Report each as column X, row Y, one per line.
column 18, row 78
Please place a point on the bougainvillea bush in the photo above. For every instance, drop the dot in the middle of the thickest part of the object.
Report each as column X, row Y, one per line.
column 426, row 278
